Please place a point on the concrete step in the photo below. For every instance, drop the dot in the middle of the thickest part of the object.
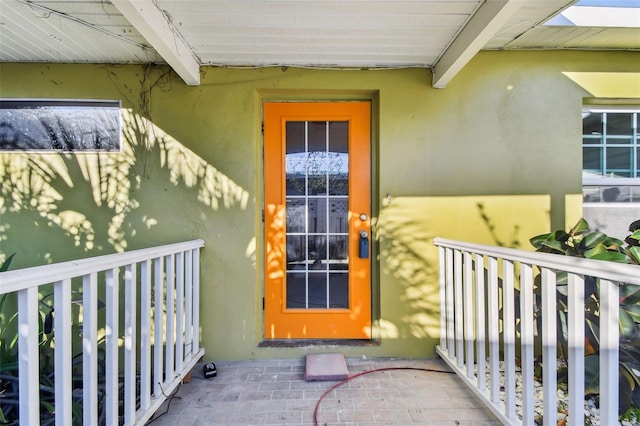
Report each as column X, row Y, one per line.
column 327, row 367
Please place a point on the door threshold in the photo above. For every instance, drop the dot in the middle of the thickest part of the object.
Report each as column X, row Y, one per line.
column 299, row 343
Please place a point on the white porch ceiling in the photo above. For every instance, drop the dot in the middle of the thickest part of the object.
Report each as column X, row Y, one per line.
column 439, row 34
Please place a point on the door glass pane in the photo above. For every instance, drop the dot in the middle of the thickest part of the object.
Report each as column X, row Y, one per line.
column 317, row 290
column 317, row 173
column 295, row 164
column 317, row 135
column 317, row 215
column 295, row 214
column 317, row 158
column 296, row 252
column 339, row 158
column 339, row 252
column 317, row 226
column 339, row 291
column 317, row 252
column 296, row 290
column 338, row 215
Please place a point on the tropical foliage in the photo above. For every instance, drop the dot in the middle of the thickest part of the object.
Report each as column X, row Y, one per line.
column 580, row 241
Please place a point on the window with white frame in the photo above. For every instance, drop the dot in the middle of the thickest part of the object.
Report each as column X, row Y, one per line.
column 611, row 155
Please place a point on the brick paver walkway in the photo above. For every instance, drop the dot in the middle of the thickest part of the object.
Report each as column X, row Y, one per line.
column 274, row 392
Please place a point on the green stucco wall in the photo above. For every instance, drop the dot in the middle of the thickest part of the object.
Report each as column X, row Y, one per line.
column 504, row 134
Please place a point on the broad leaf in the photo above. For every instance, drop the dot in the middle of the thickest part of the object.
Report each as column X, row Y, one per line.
column 636, row 396
column 554, row 245
column 625, row 389
column 629, row 294
column 634, row 369
column 538, row 239
column 592, row 331
column 581, row 226
column 627, row 325
column 562, row 278
column 592, row 239
column 6, row 263
column 612, row 256
column 563, row 290
column 613, row 243
column 634, row 252
column 559, row 235
column 593, row 251
column 633, row 347
column 591, row 374
column 590, row 287
column 633, row 310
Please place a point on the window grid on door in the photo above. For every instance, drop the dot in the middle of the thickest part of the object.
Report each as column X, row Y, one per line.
column 317, row 193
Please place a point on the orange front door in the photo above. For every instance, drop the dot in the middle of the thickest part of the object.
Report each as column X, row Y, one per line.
column 317, row 167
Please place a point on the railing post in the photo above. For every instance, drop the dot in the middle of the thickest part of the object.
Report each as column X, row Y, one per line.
column 158, row 306
column 188, row 332
column 609, row 356
column 130, row 343
column 468, row 314
column 508, row 324
column 451, row 349
column 576, row 350
column 549, row 344
column 494, row 336
column 28, row 353
column 179, row 311
column 62, row 333
column 458, row 315
column 145, row 336
column 196, row 301
column 170, row 350
column 526, row 343
column 90, row 349
column 111, row 353
column 481, row 343
column 443, row 299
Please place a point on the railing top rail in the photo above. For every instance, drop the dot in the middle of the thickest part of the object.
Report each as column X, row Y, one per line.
column 21, row 279
column 613, row 271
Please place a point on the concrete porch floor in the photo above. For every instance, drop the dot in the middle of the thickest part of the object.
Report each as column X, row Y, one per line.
column 274, row 392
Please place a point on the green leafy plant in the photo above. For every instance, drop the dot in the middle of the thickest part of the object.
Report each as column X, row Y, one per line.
column 580, row 241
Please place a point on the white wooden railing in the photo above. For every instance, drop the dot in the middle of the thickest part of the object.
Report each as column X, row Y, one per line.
column 477, row 301
column 162, row 282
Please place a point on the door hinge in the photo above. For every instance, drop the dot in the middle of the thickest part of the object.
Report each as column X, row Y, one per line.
column 262, row 128
column 263, row 303
column 262, row 215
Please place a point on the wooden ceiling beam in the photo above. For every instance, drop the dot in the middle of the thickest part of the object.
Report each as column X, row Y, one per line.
column 483, row 25
column 156, row 28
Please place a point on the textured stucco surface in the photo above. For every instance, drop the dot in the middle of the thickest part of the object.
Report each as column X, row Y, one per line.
column 508, row 126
